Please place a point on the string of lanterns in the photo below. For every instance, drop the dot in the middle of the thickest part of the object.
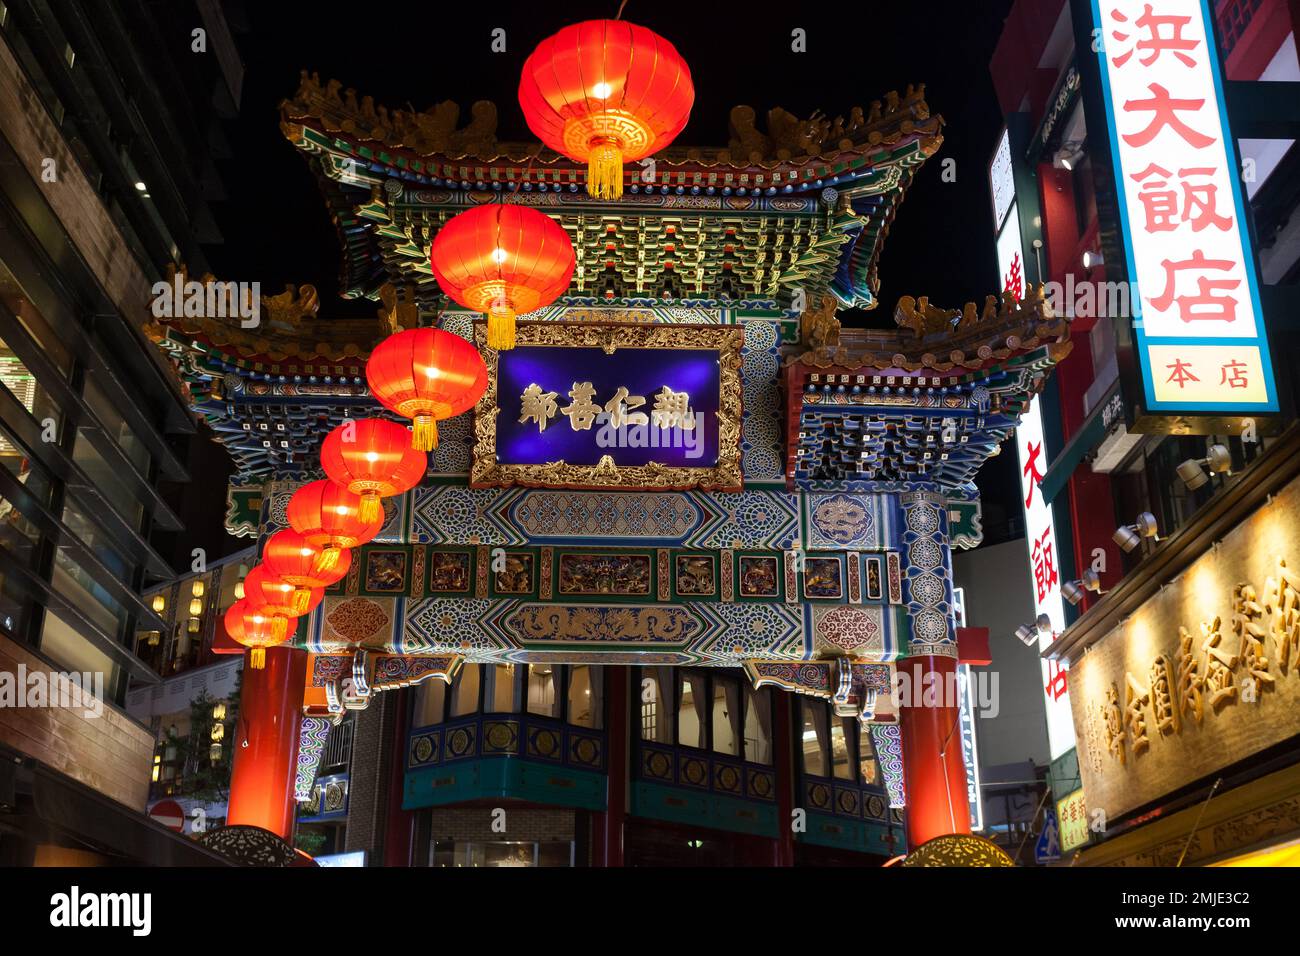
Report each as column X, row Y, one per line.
column 604, row 92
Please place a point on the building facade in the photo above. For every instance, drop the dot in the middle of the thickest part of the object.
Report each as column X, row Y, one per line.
column 94, row 423
column 1126, row 483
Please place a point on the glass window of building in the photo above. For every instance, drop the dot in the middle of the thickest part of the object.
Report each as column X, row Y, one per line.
column 65, row 646
column 585, row 697
column 464, row 694
column 868, row 766
column 430, row 702
column 842, row 735
column 656, row 704
column 22, row 384
column 758, row 725
column 541, row 690
column 692, row 711
column 500, row 697
column 816, row 738
column 105, row 479
column 726, row 717
column 116, row 427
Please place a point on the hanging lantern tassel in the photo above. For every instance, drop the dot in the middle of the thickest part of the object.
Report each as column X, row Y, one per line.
column 500, row 330
column 326, row 562
column 605, row 170
column 301, row 602
column 424, row 434
column 371, row 509
column 257, row 658
column 280, row 625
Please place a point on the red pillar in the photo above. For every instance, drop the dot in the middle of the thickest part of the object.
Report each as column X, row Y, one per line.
column 270, row 719
column 933, row 773
column 607, row 838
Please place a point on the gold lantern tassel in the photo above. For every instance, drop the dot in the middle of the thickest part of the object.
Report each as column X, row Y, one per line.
column 257, row 658
column 501, row 330
column 425, row 434
column 279, row 628
column 370, row 506
column 326, row 562
column 301, row 600
column 605, row 171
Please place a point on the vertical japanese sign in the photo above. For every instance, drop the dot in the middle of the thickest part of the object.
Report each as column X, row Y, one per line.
column 1040, row 531
column 1200, row 334
column 1040, row 537
column 966, row 721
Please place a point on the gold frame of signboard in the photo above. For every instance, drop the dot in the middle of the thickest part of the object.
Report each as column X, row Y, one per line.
column 725, row 475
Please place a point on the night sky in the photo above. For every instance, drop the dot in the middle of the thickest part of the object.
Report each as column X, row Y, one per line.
column 412, row 56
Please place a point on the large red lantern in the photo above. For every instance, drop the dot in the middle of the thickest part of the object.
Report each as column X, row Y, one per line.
column 255, row 629
column 329, row 515
column 292, row 558
column 425, row 375
column 277, row 596
column 504, row 260
column 372, row 458
column 607, row 92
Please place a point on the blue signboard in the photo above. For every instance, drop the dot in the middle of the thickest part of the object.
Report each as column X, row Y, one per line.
column 635, row 405
column 591, row 405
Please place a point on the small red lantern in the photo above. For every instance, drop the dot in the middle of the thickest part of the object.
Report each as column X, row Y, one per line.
column 256, row 630
column 292, row 558
column 504, row 260
column 372, row 458
column 607, row 92
column 425, row 375
column 329, row 515
column 277, row 596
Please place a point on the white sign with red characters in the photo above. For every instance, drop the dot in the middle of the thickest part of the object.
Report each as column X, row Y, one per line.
column 1040, row 537
column 1199, row 327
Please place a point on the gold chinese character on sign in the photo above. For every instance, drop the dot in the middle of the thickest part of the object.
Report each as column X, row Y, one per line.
column 672, row 409
column 537, row 405
column 1163, row 703
column 1113, row 718
column 1191, row 679
column 619, row 409
column 1282, row 598
column 1218, row 666
column 582, row 411
column 1136, row 698
column 1246, row 611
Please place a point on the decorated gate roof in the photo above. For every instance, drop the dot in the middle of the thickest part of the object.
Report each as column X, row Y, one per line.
column 804, row 204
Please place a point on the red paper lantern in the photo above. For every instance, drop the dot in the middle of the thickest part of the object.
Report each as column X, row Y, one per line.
column 255, row 629
column 425, row 375
column 329, row 515
column 504, row 260
column 607, row 92
column 278, row 597
column 290, row 557
column 372, row 458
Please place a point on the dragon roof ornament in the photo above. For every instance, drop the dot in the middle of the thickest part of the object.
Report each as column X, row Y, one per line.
column 929, row 337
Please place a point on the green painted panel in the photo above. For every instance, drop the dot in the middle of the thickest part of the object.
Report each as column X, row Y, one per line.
column 678, row 805
column 855, row 835
column 506, row 777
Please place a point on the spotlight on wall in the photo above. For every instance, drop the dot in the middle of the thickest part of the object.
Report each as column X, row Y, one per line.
column 1028, row 633
column 1072, row 591
column 1068, row 156
column 1193, row 470
column 1129, row 536
column 1092, row 258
